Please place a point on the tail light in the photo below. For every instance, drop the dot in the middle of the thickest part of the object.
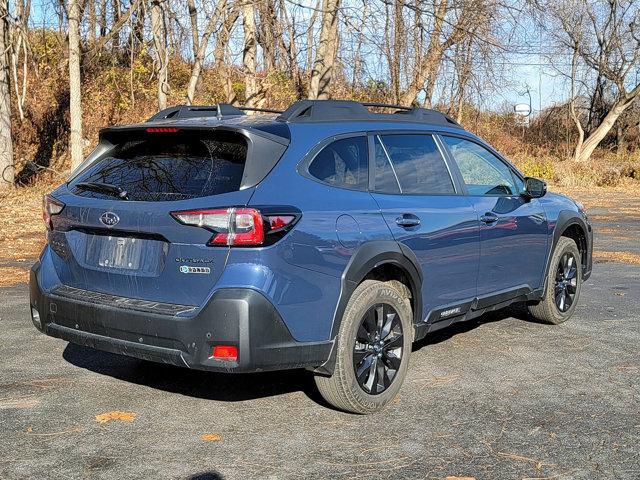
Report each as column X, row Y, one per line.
column 238, row 226
column 50, row 207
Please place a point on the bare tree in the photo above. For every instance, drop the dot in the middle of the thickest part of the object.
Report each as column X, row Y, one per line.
column 572, row 104
column 604, row 36
column 18, row 52
column 428, row 60
column 159, row 31
column 220, row 52
column 326, row 54
column 75, row 89
column 199, row 45
column 6, row 142
column 249, row 54
column 268, row 33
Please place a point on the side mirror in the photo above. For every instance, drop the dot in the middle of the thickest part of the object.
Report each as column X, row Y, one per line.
column 534, row 187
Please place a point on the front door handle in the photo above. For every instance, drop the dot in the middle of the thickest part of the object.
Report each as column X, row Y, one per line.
column 408, row 220
column 489, row 218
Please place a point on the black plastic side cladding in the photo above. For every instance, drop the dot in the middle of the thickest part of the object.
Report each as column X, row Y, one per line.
column 369, row 256
column 566, row 219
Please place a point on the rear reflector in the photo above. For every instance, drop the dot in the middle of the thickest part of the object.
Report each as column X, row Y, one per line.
column 162, row 130
column 225, row 352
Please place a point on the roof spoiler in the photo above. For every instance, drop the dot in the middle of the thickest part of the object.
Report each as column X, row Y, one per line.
column 219, row 111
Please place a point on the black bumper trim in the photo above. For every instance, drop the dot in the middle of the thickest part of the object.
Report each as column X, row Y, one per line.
column 114, row 345
column 120, row 302
column 234, row 316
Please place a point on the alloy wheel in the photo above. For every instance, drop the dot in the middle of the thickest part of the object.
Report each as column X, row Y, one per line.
column 566, row 282
column 377, row 353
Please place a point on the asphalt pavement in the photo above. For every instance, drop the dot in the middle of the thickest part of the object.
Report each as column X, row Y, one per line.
column 498, row 398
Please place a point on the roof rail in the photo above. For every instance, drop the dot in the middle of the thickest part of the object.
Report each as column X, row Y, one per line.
column 315, row 111
column 262, row 110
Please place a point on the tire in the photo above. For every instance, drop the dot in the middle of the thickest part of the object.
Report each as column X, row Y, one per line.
column 551, row 309
column 373, row 299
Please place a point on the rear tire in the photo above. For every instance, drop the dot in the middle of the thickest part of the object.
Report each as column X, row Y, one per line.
column 373, row 348
column 563, row 284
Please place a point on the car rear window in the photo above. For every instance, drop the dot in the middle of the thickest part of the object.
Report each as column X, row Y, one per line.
column 170, row 167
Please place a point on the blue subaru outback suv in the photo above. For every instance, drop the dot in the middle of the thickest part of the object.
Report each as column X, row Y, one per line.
column 328, row 237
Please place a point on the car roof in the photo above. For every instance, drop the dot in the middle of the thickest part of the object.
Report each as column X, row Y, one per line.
column 338, row 116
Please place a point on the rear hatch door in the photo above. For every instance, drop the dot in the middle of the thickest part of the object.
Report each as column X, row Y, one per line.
column 116, row 234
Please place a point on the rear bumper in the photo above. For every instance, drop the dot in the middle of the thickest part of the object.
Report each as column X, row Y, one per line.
column 234, row 316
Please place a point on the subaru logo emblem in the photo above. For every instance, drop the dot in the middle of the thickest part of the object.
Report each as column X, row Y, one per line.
column 109, row 219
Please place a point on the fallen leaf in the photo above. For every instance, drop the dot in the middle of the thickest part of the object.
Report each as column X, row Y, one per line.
column 211, row 437
column 29, row 431
column 116, row 415
column 619, row 294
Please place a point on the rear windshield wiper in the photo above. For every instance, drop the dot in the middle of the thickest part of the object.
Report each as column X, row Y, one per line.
column 107, row 188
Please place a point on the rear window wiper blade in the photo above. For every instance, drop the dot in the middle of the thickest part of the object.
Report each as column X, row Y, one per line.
column 107, row 188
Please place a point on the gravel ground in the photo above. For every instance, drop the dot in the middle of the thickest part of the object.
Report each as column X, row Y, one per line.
column 502, row 397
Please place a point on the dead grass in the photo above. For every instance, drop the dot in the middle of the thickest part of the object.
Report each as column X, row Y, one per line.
column 21, row 226
column 620, row 257
column 10, row 276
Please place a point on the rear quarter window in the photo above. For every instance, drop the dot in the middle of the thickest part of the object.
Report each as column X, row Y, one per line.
column 170, row 167
column 343, row 163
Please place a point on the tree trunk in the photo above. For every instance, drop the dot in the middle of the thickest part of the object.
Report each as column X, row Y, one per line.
column 572, row 106
column 201, row 49
column 325, row 63
column 6, row 143
column 249, row 55
column 268, row 32
column 75, row 91
column 91, row 34
column 103, row 18
column 115, row 45
column 195, row 35
column 161, row 53
column 398, row 42
column 601, row 130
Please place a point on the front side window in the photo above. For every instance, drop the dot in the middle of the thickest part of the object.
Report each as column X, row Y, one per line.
column 413, row 166
column 483, row 173
column 343, row 163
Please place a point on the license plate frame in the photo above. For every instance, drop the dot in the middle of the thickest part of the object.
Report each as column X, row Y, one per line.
column 120, row 253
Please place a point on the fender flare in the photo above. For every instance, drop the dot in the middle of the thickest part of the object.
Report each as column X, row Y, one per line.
column 368, row 256
column 566, row 219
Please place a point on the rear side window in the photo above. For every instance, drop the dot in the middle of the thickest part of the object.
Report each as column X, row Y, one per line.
column 343, row 163
column 414, row 165
column 170, row 167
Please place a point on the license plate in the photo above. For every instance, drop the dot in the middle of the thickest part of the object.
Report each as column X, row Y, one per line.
column 120, row 252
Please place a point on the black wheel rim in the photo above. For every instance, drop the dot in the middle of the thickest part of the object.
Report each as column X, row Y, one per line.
column 566, row 282
column 377, row 353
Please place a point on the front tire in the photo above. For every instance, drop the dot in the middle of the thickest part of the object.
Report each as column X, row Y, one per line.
column 563, row 284
column 373, row 348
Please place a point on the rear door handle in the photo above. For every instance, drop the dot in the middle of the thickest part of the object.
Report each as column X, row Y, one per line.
column 408, row 220
column 489, row 218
